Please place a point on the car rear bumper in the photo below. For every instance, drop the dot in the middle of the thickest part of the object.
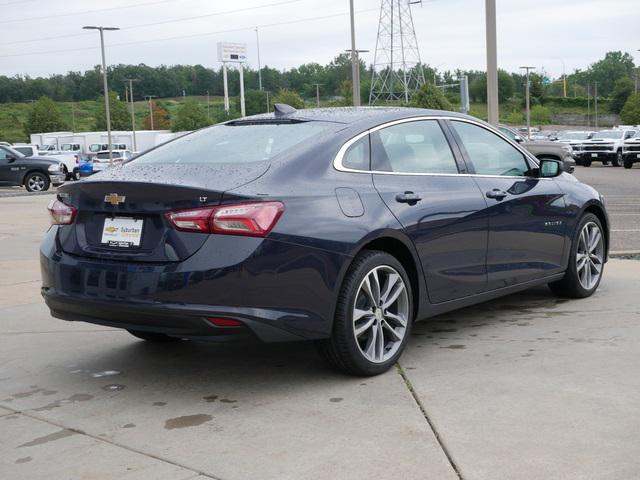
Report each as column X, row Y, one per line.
column 278, row 291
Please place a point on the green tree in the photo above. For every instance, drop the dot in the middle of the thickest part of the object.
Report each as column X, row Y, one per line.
column 44, row 116
column 346, row 92
column 118, row 111
column 540, row 115
column 430, row 96
column 255, row 101
column 515, row 118
column 631, row 112
column 621, row 93
column 161, row 118
column 190, row 116
column 289, row 97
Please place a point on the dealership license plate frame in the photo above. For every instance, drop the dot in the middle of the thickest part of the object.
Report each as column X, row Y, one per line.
column 119, row 238
column 594, row 155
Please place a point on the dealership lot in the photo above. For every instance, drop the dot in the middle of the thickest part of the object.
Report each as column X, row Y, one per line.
column 529, row 386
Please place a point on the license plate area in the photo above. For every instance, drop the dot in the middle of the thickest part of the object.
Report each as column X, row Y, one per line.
column 594, row 155
column 122, row 232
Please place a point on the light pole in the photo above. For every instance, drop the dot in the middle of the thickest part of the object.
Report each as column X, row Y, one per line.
column 528, row 103
column 595, row 103
column 133, row 113
column 259, row 67
column 318, row 93
column 492, row 63
column 355, row 64
column 102, row 29
column 357, row 70
column 149, row 97
column 208, row 116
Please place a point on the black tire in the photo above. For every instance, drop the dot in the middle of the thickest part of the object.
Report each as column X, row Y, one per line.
column 628, row 163
column 617, row 162
column 37, row 182
column 570, row 285
column 342, row 350
column 153, row 337
column 586, row 162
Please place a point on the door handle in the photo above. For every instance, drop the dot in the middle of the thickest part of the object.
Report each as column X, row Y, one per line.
column 496, row 193
column 408, row 197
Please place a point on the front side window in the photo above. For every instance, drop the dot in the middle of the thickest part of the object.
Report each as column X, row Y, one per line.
column 412, row 147
column 490, row 154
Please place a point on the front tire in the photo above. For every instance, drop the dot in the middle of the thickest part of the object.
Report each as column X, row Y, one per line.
column 617, row 162
column 373, row 316
column 586, row 261
column 628, row 164
column 36, row 182
column 586, row 162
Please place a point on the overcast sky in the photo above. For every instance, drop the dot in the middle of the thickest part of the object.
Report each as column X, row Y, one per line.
column 450, row 32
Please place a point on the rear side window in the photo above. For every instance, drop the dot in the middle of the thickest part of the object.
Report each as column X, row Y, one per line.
column 239, row 143
column 24, row 150
column 412, row 147
column 490, row 154
column 357, row 155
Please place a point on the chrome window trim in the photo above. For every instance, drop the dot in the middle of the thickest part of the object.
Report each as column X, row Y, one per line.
column 337, row 161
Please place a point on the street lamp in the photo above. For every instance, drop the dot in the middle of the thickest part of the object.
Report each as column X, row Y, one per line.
column 259, row 67
column 528, row 102
column 492, row 63
column 149, row 97
column 133, row 115
column 355, row 64
column 104, row 79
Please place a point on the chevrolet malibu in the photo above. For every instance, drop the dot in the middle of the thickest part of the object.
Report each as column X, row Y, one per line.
column 341, row 226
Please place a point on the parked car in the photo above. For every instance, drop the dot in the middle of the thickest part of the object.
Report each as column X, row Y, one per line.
column 36, row 174
column 71, row 162
column 631, row 152
column 102, row 160
column 606, row 146
column 342, row 226
column 543, row 149
column 575, row 139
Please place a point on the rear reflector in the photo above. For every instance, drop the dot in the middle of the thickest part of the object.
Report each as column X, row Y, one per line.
column 225, row 322
column 61, row 213
column 249, row 219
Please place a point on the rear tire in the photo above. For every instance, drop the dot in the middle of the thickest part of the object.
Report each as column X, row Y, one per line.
column 586, row 162
column 36, row 182
column 153, row 337
column 586, row 260
column 373, row 316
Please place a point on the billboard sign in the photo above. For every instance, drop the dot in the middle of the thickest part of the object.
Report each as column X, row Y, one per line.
column 232, row 52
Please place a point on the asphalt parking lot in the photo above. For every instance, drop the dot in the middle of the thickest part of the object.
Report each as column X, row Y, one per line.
column 529, row 386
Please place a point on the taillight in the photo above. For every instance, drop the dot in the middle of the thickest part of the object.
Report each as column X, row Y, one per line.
column 249, row 219
column 61, row 213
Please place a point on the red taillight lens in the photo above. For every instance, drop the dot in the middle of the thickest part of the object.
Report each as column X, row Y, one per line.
column 225, row 322
column 61, row 213
column 250, row 219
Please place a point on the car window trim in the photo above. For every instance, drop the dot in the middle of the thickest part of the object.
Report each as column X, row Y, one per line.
column 337, row 161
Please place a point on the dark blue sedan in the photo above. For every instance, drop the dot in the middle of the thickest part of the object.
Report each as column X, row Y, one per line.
column 342, row 226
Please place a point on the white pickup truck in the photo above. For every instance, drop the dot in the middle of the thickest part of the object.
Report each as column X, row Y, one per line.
column 71, row 161
column 606, row 146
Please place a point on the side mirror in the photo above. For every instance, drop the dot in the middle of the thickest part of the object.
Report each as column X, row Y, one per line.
column 550, row 168
column 10, row 158
column 518, row 139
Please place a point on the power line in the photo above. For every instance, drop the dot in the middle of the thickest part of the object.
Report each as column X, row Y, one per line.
column 164, row 22
column 69, row 14
column 15, row 2
column 204, row 34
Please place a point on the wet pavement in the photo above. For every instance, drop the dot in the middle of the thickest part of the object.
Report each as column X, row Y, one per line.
column 529, row 386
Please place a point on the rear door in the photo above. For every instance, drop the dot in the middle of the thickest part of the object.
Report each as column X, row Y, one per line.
column 10, row 171
column 526, row 214
column 418, row 177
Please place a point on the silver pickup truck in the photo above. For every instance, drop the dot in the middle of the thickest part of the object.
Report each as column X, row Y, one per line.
column 543, row 149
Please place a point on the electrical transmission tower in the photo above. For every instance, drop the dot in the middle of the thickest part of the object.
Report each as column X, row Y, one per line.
column 397, row 70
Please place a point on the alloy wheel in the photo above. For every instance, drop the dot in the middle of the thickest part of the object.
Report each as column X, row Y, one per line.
column 380, row 314
column 36, row 183
column 590, row 255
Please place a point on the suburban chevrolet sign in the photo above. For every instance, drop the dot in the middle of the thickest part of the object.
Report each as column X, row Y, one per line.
column 232, row 52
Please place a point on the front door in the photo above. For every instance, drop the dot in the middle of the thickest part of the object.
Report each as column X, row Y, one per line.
column 526, row 222
column 9, row 168
column 417, row 175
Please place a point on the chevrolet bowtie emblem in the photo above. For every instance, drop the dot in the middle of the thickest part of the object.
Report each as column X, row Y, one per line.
column 114, row 199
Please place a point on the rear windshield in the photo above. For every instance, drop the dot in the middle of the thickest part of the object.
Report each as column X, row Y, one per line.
column 105, row 155
column 229, row 143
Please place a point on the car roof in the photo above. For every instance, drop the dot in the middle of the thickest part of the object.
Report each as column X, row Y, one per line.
column 354, row 115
